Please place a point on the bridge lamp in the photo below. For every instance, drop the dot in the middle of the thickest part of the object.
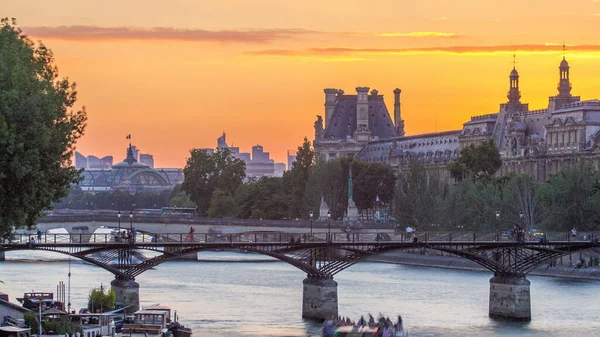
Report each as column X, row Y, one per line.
column 119, row 217
column 310, row 214
column 131, row 221
column 329, row 224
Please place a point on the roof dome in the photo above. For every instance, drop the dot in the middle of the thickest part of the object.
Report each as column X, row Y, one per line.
column 564, row 63
column 514, row 73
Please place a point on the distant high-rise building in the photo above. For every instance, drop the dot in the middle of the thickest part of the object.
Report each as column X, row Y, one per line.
column 80, row 161
column 147, row 159
column 92, row 162
column 291, row 158
column 279, row 169
column 257, row 165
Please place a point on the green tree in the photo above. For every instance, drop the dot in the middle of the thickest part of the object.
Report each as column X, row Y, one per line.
column 221, row 204
column 372, row 181
column 571, row 198
column 205, row 172
column 419, row 197
column 264, row 198
column 480, row 162
column 519, row 194
column 295, row 180
column 101, row 300
column 37, row 129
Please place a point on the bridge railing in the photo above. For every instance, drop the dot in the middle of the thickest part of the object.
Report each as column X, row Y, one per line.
column 295, row 238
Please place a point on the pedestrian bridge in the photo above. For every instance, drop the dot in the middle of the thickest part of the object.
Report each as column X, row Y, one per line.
column 320, row 255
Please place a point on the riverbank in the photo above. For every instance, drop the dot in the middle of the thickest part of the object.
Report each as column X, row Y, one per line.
column 452, row 262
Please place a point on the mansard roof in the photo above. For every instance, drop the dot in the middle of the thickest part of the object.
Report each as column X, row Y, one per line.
column 442, row 146
column 343, row 119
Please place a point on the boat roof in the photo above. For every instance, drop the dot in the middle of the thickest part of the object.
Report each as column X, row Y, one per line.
column 151, row 312
column 158, row 307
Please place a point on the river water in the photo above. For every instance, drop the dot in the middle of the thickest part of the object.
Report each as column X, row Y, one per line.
column 253, row 296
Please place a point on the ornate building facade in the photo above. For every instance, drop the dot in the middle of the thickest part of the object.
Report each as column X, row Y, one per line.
column 536, row 142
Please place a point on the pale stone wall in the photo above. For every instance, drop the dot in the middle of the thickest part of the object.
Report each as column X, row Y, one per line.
column 319, row 298
column 510, row 297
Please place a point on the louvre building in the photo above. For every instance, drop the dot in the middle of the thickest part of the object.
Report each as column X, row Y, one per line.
column 537, row 142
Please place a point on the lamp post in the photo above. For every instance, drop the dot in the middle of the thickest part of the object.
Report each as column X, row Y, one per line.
column 131, row 226
column 521, row 228
column 310, row 214
column 119, row 217
column 329, row 226
column 497, row 225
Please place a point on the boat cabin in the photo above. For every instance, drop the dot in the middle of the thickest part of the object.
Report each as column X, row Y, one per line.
column 150, row 322
column 92, row 325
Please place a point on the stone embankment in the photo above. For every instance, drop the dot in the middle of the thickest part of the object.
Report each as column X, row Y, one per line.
column 452, row 262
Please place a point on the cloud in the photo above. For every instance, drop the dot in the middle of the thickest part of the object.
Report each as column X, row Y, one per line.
column 95, row 33
column 420, row 34
column 338, row 51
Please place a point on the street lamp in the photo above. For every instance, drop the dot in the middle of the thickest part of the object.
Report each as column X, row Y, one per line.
column 497, row 225
column 119, row 217
column 131, row 225
column 522, row 229
column 329, row 225
column 310, row 214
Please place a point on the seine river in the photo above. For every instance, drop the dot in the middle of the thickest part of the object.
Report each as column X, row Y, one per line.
column 263, row 298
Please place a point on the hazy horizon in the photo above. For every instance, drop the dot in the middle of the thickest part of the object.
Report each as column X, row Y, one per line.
column 177, row 74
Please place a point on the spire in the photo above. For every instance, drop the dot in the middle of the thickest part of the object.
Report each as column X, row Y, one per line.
column 514, row 96
column 130, row 157
column 564, row 84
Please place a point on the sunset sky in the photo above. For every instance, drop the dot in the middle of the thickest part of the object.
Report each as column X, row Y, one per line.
column 176, row 74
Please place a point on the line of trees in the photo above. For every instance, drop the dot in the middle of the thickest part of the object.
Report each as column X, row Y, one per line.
column 570, row 198
column 216, row 183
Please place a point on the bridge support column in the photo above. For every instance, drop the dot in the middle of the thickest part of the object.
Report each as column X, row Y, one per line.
column 128, row 293
column 510, row 297
column 319, row 298
column 2, row 256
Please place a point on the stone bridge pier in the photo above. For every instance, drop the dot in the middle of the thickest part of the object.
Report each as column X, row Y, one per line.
column 319, row 298
column 510, row 297
column 128, row 293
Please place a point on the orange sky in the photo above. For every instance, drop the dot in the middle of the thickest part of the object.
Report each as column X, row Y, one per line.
column 175, row 74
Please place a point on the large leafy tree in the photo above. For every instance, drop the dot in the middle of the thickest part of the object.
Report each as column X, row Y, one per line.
column 38, row 129
column 264, row 198
column 571, row 198
column 204, row 172
column 372, row 182
column 101, row 300
column 418, row 197
column 477, row 161
column 295, row 180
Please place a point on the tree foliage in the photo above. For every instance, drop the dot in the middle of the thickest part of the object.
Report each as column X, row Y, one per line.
column 205, row 172
column 479, row 162
column 264, row 198
column 101, row 300
column 295, row 180
column 372, row 181
column 571, row 198
column 221, row 204
column 418, row 197
column 38, row 130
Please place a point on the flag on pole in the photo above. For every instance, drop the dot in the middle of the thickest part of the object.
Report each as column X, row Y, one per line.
column 128, row 136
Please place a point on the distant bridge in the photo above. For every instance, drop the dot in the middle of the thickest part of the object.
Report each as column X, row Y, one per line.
column 320, row 256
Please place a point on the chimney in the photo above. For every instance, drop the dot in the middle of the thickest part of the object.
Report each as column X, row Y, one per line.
column 399, row 123
column 330, row 100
